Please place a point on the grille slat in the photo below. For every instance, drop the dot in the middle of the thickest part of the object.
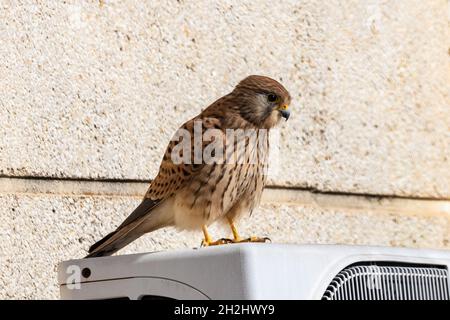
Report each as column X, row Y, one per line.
column 373, row 282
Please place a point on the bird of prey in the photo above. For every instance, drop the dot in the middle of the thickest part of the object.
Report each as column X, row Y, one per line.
column 194, row 188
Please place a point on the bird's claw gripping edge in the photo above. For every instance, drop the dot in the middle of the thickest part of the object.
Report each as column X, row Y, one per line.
column 238, row 239
column 253, row 239
column 207, row 242
column 228, row 241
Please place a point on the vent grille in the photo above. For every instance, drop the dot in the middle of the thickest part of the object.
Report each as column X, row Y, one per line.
column 373, row 282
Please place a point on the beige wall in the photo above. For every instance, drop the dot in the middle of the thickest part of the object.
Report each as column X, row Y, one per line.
column 94, row 92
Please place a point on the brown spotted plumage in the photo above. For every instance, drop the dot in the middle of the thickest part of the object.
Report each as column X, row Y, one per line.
column 192, row 194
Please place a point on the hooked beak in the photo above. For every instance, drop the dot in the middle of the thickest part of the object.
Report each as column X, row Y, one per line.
column 285, row 113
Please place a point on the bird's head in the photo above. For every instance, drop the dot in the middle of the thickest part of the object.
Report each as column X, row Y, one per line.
column 262, row 101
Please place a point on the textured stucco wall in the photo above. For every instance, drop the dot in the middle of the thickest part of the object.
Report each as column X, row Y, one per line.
column 46, row 229
column 95, row 91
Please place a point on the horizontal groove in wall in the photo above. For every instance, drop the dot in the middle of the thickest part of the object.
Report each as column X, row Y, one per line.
column 359, row 202
column 279, row 195
column 128, row 182
column 73, row 187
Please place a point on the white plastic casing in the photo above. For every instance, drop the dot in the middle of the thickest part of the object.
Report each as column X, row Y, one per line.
column 235, row 271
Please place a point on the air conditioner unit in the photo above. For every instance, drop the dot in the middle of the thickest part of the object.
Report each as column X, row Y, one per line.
column 262, row 271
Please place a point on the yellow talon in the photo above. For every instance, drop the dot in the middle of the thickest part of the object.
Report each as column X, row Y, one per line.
column 238, row 239
column 207, row 242
column 208, row 238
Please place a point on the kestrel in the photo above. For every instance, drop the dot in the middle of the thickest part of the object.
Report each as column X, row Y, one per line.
column 215, row 167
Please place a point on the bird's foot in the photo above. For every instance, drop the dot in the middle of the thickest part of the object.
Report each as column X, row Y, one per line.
column 206, row 243
column 252, row 239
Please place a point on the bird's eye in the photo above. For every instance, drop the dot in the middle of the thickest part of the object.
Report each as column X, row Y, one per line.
column 272, row 97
